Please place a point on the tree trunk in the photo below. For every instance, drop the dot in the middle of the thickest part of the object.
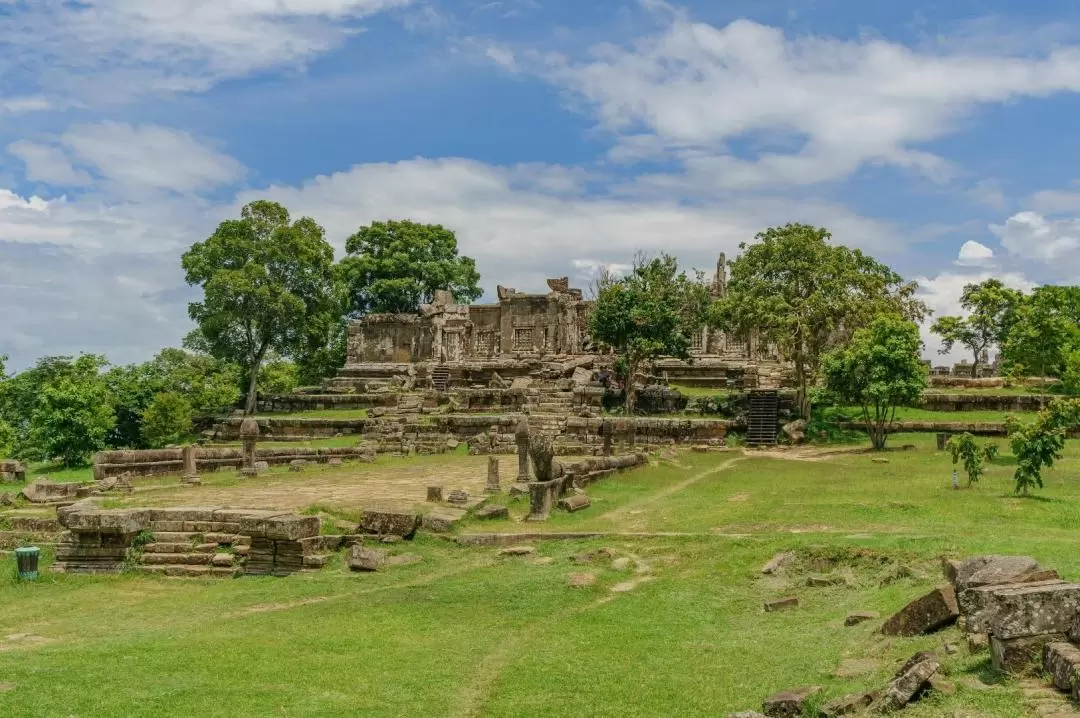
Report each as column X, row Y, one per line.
column 802, row 393
column 631, row 400
column 975, row 367
column 253, row 384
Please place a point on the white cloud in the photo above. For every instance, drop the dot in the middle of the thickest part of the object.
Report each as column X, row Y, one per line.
column 974, row 254
column 151, row 157
column 48, row 164
column 114, row 49
column 503, row 57
column 20, row 105
column 1033, row 236
column 811, row 108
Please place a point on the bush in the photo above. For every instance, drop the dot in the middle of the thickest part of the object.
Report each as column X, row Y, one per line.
column 71, row 421
column 963, row 448
column 167, row 420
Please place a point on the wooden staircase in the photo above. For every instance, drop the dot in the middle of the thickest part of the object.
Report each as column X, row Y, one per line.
column 440, row 377
column 763, row 418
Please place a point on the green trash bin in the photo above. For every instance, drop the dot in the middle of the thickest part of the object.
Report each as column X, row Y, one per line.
column 27, row 559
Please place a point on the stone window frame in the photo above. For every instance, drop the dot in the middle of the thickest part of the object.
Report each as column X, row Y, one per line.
column 519, row 333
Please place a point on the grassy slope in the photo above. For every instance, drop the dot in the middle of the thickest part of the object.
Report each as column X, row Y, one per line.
column 468, row 633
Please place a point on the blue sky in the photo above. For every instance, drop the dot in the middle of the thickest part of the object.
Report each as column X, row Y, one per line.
column 554, row 136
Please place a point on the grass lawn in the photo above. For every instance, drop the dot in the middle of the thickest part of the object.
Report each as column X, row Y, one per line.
column 907, row 413
column 469, row 633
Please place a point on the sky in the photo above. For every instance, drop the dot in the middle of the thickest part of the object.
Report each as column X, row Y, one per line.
column 554, row 136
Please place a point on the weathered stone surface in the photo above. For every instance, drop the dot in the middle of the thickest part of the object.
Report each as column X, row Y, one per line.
column 261, row 467
column 441, row 521
column 286, row 527
column 977, row 642
column 908, row 682
column 580, row 580
column 362, row 558
column 854, row 619
column 222, row 559
column 111, row 521
column 779, row 562
column 824, row 581
column 942, row 686
column 492, row 512
column 931, row 612
column 1031, row 610
column 517, row 551
column 575, row 502
column 12, row 471
column 846, row 705
column 43, row 491
column 297, row 465
column 1061, row 662
column 790, row 703
column 335, row 461
column 458, row 497
column 782, row 604
column 795, row 431
column 394, row 523
column 1020, row 656
column 518, row 490
column 981, row 605
column 747, row 714
column 992, row 570
column 435, row 494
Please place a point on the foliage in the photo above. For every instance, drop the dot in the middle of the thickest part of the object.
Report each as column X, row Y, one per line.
column 651, row 312
column 395, row 266
column 7, row 438
column 1039, row 444
column 167, row 420
column 277, row 376
column 1044, row 330
column 991, row 308
column 879, row 370
column 265, row 283
column 806, row 296
column 1070, row 376
column 963, row 448
column 72, row 416
column 726, row 405
column 323, row 354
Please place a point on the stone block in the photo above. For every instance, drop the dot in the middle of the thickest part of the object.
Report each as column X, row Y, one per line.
column 782, row 604
column 286, row 527
column 909, row 681
column 389, row 523
column 362, row 558
column 493, row 512
column 846, row 705
column 1033, row 610
column 779, row 562
column 854, row 619
column 926, row 614
column 111, row 521
column 573, row 503
column 435, row 494
column 991, row 570
column 517, row 551
column 441, row 521
column 1021, row 656
column 790, row 703
column 1061, row 661
column 981, row 605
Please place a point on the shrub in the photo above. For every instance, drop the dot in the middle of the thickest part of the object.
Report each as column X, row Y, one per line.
column 963, row 448
column 167, row 420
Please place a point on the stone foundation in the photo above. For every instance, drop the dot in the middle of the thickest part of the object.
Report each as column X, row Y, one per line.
column 169, row 462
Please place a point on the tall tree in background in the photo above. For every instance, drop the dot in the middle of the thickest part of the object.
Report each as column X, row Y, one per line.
column 806, row 296
column 265, row 282
column 395, row 266
column 650, row 313
column 990, row 306
column 1043, row 331
column 879, row 370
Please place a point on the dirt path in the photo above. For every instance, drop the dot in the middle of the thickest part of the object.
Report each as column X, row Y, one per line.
column 624, row 512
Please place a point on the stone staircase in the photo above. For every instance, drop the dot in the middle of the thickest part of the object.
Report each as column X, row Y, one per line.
column 552, row 402
column 762, row 418
column 188, row 553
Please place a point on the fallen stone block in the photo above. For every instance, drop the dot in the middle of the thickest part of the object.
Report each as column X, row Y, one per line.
column 297, row 465
column 942, row 686
column 846, row 705
column 393, row 523
column 492, row 512
column 909, row 681
column 458, row 497
column 261, row 467
column 362, row 558
column 926, row 614
column 981, row 605
column 782, row 604
column 441, row 521
column 577, row 502
column 1033, row 610
column 43, row 490
column 854, row 619
column 1061, row 661
column 335, row 461
column 580, row 580
column 779, row 562
column 790, row 703
column 517, row 551
column 1021, row 656
column 990, row 570
column 824, row 581
column 287, row 527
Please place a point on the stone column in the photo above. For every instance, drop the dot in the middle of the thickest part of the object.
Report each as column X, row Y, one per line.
column 249, row 435
column 521, row 436
column 191, row 471
column 492, row 476
column 541, row 500
column 493, row 439
column 607, row 431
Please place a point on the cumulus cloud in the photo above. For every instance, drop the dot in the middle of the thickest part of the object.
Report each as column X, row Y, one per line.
column 811, row 108
column 974, row 254
column 48, row 164
column 1033, row 236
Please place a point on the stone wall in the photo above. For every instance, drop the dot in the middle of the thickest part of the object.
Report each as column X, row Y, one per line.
column 1006, row 403
column 169, row 462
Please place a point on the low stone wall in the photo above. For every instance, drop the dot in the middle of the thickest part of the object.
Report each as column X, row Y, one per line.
column 185, row 541
column 291, row 429
column 935, row 427
column 293, row 403
column 1006, row 403
column 166, row 462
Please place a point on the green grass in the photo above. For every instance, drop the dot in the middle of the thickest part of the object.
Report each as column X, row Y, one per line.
column 700, row 391
column 469, row 633
column 907, row 413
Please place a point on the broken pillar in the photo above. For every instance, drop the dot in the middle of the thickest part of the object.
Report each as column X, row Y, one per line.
column 492, row 486
column 249, row 436
column 541, row 499
column 521, row 437
column 191, row 471
column 607, row 432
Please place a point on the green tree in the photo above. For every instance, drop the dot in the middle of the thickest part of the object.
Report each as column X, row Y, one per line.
column 878, row 370
column 1039, row 444
column 277, row 376
column 991, row 307
column 963, row 448
column 167, row 420
column 265, row 282
column 1044, row 330
column 806, row 296
column 7, row 438
column 72, row 415
column 650, row 313
column 395, row 266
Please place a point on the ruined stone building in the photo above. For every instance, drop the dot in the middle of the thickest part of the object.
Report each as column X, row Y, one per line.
column 523, row 328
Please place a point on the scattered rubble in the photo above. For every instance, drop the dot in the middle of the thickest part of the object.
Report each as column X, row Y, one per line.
column 790, row 703
column 854, row 619
column 929, row 613
column 779, row 562
column 782, row 604
column 362, row 558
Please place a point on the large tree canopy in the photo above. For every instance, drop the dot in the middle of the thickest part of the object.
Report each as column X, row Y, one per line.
column 805, row 295
column 266, row 283
column 991, row 307
column 650, row 313
column 395, row 266
column 1043, row 331
column 877, row 371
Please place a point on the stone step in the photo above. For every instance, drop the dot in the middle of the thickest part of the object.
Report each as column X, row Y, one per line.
column 193, row 537
column 187, row 571
column 177, row 559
